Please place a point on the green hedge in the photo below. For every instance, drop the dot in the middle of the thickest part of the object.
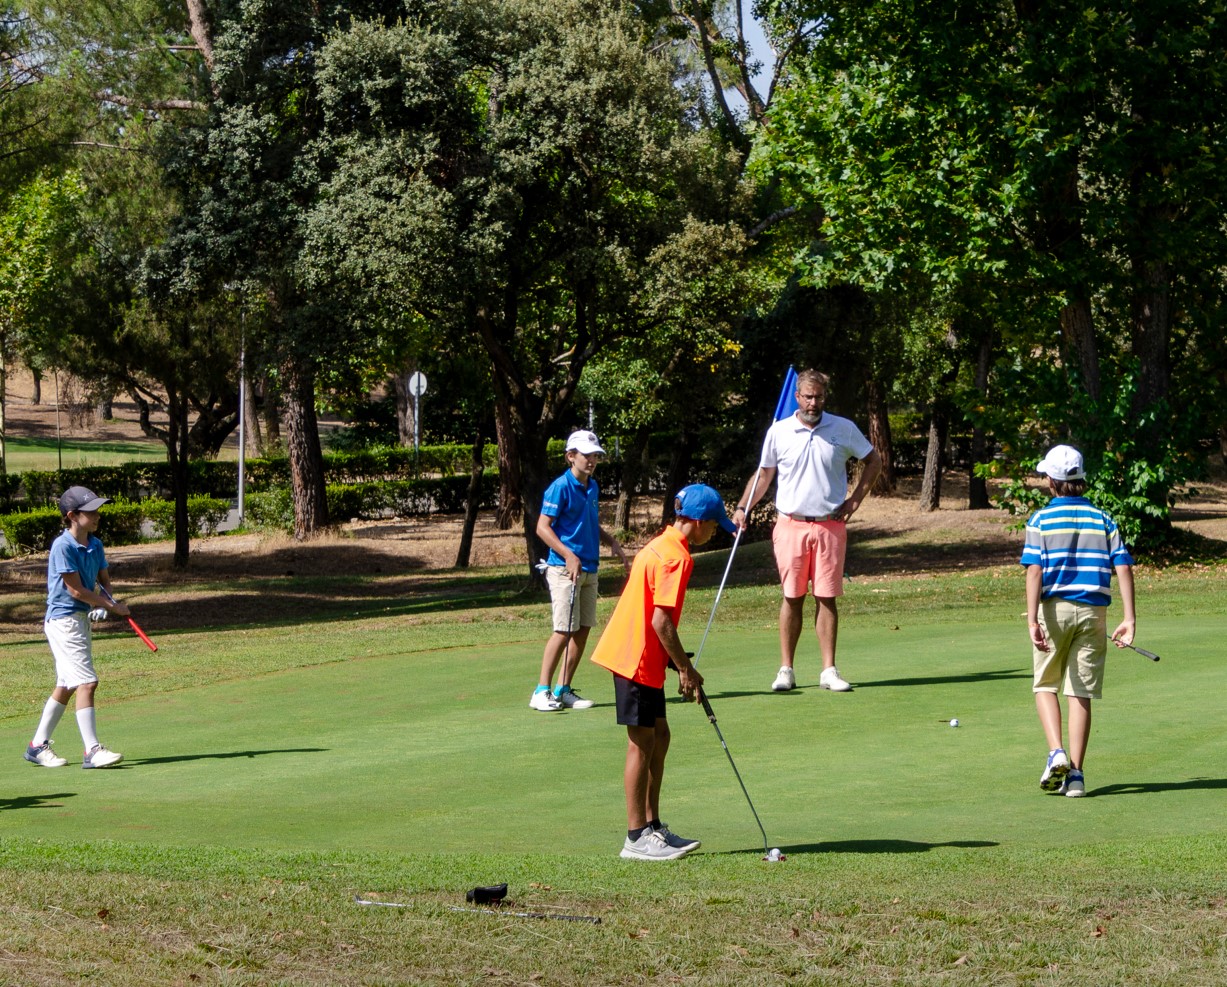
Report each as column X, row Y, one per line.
column 372, row 500
column 121, row 524
column 214, row 478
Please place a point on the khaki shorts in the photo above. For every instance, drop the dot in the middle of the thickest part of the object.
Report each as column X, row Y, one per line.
column 1077, row 635
column 810, row 552
column 70, row 642
column 584, row 615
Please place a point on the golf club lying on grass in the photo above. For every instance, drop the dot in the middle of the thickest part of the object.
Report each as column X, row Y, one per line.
column 493, row 909
column 1143, row 652
column 135, row 626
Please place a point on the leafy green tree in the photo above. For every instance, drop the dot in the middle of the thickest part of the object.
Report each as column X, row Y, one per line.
column 509, row 171
column 37, row 226
column 1054, row 155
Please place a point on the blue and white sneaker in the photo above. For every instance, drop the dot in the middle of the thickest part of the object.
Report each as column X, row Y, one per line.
column 572, row 699
column 678, row 842
column 1055, row 771
column 100, row 757
column 44, row 756
column 543, row 701
column 1074, row 786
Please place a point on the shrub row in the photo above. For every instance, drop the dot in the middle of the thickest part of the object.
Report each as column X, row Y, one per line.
column 213, row 478
column 123, row 522
column 369, row 501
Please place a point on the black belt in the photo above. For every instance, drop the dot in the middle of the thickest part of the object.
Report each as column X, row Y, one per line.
column 824, row 517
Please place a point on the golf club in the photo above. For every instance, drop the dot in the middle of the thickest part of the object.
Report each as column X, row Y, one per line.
column 135, row 626
column 767, row 855
column 542, row 566
column 1143, row 652
column 728, row 565
column 591, row 919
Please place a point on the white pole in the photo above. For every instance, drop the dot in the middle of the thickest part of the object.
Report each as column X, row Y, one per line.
column 242, row 418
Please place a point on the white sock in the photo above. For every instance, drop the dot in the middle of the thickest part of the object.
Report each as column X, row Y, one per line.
column 46, row 726
column 87, row 724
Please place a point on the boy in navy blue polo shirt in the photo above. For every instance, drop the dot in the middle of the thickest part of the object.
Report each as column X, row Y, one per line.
column 570, row 526
column 1071, row 550
column 75, row 566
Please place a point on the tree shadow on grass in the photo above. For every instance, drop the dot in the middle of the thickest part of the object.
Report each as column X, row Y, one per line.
column 222, row 755
column 977, row 677
column 871, row 846
column 35, row 801
column 1159, row 787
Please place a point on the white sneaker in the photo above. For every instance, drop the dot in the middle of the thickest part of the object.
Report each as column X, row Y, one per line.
column 1074, row 785
column 543, row 701
column 572, row 699
column 100, row 757
column 651, row 845
column 1055, row 771
column 44, row 756
column 678, row 842
column 784, row 680
column 829, row 679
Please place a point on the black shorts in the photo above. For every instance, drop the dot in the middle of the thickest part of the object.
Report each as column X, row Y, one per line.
column 638, row 705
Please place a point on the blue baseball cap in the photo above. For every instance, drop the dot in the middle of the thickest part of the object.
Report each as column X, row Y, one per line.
column 699, row 502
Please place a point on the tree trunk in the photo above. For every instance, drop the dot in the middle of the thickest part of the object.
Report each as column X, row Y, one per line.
column 510, row 504
column 679, row 471
column 36, row 395
column 404, row 405
column 879, row 434
column 253, row 438
column 272, row 419
column 472, row 504
column 634, row 466
column 977, row 486
column 1078, row 332
column 931, row 488
column 177, row 453
column 306, row 457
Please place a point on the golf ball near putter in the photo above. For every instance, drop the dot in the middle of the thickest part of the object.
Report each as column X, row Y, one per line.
column 954, row 722
column 774, row 854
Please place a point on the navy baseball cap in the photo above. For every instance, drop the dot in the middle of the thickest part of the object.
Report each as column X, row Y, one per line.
column 80, row 499
column 699, row 502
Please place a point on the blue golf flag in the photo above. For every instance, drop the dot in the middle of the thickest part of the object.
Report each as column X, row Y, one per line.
column 788, row 396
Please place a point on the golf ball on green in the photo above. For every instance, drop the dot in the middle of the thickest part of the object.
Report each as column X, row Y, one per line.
column 954, row 723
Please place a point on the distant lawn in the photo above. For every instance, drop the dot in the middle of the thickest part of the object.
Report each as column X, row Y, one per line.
column 369, row 736
column 42, row 454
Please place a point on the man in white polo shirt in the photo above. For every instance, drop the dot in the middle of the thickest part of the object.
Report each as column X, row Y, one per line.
column 809, row 451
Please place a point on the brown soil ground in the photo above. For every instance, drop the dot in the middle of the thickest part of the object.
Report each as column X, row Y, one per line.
column 889, row 536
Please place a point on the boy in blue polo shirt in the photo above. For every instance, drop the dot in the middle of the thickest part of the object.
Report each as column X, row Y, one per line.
column 570, row 526
column 1070, row 552
column 75, row 566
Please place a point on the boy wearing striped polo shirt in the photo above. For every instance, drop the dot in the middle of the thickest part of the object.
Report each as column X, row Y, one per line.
column 1070, row 551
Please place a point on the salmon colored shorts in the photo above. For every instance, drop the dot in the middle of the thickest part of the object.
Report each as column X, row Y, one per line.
column 810, row 552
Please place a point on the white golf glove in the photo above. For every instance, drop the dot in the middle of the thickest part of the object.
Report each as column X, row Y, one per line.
column 99, row 614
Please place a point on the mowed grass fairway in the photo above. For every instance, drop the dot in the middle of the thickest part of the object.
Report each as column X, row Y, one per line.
column 382, row 746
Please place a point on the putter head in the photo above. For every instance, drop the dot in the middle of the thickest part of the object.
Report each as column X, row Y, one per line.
column 490, row 895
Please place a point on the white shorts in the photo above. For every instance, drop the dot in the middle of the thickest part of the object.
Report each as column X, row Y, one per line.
column 70, row 642
column 565, row 615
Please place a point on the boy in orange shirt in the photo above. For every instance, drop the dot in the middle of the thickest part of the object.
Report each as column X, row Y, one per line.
column 638, row 644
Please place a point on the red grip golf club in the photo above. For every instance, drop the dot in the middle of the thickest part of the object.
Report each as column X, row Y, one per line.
column 135, row 626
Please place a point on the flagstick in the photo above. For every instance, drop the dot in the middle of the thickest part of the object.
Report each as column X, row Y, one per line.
column 729, row 565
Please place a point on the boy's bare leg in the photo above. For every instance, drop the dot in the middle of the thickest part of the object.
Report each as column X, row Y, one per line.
column 1079, row 729
column 579, row 640
column 826, row 625
column 550, row 657
column 645, row 768
column 1049, row 708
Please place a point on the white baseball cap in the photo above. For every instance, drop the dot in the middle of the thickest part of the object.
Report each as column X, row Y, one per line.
column 585, row 442
column 1062, row 463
